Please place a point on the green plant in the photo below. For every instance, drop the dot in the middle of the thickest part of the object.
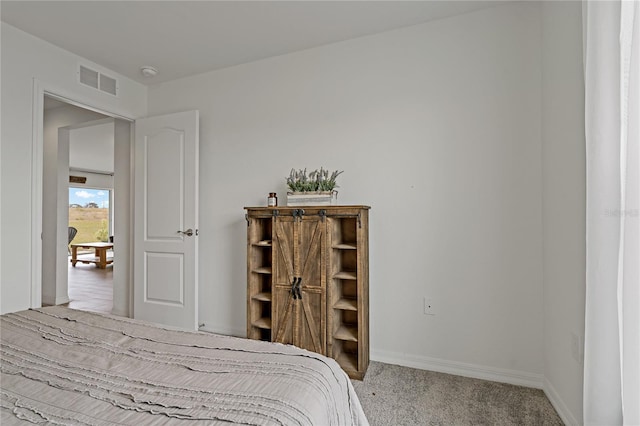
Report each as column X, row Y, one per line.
column 317, row 180
column 102, row 234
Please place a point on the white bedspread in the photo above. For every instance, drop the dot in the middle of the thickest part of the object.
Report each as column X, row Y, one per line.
column 62, row 366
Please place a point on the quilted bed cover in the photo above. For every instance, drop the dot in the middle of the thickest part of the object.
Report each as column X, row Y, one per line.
column 63, row 366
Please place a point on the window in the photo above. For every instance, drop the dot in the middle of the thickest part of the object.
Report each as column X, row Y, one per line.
column 90, row 214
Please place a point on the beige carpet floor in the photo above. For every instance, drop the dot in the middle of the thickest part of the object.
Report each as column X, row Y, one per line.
column 394, row 395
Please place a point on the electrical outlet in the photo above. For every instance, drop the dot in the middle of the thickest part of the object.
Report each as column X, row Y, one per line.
column 428, row 306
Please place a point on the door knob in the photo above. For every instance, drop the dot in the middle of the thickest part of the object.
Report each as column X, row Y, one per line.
column 188, row 232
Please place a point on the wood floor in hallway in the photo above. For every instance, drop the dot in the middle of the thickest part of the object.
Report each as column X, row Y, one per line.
column 91, row 288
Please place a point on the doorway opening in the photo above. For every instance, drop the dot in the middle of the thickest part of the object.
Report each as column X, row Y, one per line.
column 78, row 147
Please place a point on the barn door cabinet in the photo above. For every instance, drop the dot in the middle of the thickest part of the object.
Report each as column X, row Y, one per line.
column 308, row 280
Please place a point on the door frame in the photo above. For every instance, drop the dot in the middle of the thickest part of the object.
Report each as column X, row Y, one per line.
column 40, row 89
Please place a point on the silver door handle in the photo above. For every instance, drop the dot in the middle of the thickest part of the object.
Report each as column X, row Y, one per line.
column 188, row 232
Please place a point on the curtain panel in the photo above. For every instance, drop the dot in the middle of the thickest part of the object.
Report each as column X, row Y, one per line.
column 611, row 32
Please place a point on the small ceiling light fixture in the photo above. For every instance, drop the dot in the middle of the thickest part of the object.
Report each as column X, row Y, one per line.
column 148, row 71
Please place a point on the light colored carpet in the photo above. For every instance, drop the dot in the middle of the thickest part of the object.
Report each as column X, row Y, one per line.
column 394, row 395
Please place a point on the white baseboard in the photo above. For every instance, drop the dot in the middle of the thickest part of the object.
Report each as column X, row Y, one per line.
column 119, row 313
column 62, row 300
column 48, row 300
column 54, row 300
column 236, row 332
column 563, row 411
column 512, row 377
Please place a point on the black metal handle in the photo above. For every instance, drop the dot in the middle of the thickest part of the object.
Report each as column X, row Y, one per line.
column 295, row 288
column 298, row 288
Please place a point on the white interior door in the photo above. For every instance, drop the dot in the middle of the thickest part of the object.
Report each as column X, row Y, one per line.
column 166, row 220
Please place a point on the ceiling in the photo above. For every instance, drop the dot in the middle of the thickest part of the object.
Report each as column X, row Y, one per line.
column 182, row 38
column 50, row 103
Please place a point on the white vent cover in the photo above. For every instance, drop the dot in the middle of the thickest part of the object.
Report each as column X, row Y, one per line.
column 89, row 77
column 98, row 81
column 108, row 84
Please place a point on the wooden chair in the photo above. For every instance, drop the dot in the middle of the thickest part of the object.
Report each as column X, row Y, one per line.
column 72, row 234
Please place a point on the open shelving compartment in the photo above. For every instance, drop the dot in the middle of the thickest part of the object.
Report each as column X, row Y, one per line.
column 345, row 313
column 260, row 273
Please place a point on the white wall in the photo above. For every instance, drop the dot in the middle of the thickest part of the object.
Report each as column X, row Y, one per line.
column 437, row 127
column 92, row 148
column 25, row 58
column 123, row 218
column 55, row 198
column 563, row 148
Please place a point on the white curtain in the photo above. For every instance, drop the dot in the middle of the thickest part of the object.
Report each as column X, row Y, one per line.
column 612, row 121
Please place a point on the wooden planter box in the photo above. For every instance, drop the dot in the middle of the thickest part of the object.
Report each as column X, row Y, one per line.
column 311, row 198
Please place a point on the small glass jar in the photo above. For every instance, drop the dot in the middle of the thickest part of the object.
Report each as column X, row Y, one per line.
column 272, row 200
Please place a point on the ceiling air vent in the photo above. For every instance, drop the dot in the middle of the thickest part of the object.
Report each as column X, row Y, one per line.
column 98, row 81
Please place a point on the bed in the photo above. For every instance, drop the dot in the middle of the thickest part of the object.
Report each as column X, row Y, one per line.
column 63, row 366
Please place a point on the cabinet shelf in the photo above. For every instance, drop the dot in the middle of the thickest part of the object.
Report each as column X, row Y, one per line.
column 346, row 275
column 349, row 362
column 346, row 305
column 262, row 323
column 349, row 334
column 263, row 297
column 345, row 246
column 263, row 270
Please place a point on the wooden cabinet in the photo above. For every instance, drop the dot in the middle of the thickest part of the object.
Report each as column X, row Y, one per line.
column 308, row 280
